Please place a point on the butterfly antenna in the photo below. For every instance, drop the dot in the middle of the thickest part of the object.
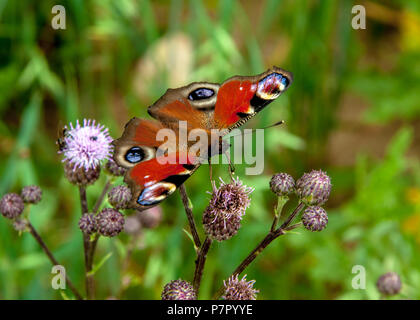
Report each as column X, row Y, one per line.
column 270, row 126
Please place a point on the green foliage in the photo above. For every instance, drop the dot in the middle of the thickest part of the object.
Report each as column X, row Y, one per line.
column 117, row 57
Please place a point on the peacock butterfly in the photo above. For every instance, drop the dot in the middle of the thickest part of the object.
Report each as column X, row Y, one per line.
column 199, row 105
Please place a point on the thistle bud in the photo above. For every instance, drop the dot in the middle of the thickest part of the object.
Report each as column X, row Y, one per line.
column 150, row 218
column 31, row 194
column 282, row 184
column 20, row 225
column 222, row 218
column 114, row 168
column 179, row 290
column 314, row 188
column 87, row 223
column 109, row 222
column 132, row 225
column 11, row 205
column 236, row 289
column 389, row 284
column 119, row 197
column 314, row 218
column 81, row 176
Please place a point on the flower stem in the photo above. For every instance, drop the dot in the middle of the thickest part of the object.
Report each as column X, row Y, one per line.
column 293, row 215
column 281, row 201
column 89, row 280
column 190, row 216
column 53, row 260
column 200, row 262
column 272, row 235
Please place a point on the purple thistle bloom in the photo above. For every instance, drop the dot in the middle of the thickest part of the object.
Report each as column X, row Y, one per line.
column 222, row 217
column 86, row 146
column 179, row 290
column 236, row 289
column 230, row 198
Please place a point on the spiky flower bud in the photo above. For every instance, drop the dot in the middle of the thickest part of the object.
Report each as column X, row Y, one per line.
column 132, row 225
column 179, row 290
column 87, row 223
column 81, row 176
column 11, row 205
column 20, row 224
column 314, row 218
column 114, row 168
column 109, row 222
column 314, row 188
column 236, row 289
column 31, row 194
column 222, row 218
column 150, row 218
column 389, row 284
column 119, row 197
column 282, row 184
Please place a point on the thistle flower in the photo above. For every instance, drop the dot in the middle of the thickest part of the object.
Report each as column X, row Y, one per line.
column 114, row 168
column 179, row 290
column 282, row 184
column 80, row 176
column 87, row 223
column 315, row 218
column 389, row 284
column 314, row 188
column 236, row 289
column 85, row 146
column 109, row 222
column 228, row 203
column 150, row 218
column 119, row 197
column 11, row 205
column 31, row 194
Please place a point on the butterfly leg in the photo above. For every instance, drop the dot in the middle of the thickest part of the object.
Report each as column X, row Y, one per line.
column 231, row 166
column 210, row 170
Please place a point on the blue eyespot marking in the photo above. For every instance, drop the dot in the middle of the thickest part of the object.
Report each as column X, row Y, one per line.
column 199, row 94
column 156, row 193
column 145, row 202
column 284, row 81
column 134, row 155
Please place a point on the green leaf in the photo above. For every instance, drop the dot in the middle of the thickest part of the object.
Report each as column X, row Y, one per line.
column 99, row 265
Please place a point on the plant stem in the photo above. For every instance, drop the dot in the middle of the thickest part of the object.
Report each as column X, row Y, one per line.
column 281, row 201
column 190, row 216
column 200, row 262
column 272, row 235
column 293, row 215
column 53, row 260
column 89, row 280
column 101, row 197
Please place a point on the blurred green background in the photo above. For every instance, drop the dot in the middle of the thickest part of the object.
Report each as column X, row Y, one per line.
column 353, row 110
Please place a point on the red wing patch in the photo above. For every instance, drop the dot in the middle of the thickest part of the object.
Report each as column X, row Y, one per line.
column 233, row 97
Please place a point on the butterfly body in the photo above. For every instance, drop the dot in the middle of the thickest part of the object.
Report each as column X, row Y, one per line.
column 197, row 109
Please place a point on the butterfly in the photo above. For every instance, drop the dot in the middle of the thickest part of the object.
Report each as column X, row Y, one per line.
column 198, row 106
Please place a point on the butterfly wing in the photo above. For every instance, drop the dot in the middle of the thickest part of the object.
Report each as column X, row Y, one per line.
column 200, row 105
column 193, row 103
column 152, row 181
column 151, row 176
column 240, row 98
